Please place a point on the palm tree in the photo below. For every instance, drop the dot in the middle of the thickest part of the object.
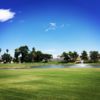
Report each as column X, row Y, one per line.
column 33, row 54
column 0, row 50
column 17, row 54
column 65, row 57
column 84, row 56
column 7, row 50
column 94, row 56
column 24, row 52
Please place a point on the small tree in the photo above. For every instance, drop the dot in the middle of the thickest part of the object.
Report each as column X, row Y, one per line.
column 6, row 58
column 33, row 54
column 73, row 56
column 65, row 56
column 47, row 57
column 28, row 58
column 0, row 55
column 0, row 50
column 94, row 56
column 16, row 55
column 24, row 52
column 84, row 56
column 39, row 56
column 7, row 50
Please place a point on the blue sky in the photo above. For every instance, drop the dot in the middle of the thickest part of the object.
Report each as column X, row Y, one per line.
column 52, row 26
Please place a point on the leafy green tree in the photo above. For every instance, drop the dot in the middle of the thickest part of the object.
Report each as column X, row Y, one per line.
column 33, row 49
column 39, row 56
column 0, row 50
column 65, row 56
column 16, row 55
column 33, row 54
column 0, row 55
column 28, row 58
column 94, row 56
column 6, row 58
column 73, row 56
column 47, row 57
column 84, row 56
column 24, row 52
column 7, row 50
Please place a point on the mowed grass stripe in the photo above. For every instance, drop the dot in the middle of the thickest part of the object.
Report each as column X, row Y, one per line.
column 50, row 84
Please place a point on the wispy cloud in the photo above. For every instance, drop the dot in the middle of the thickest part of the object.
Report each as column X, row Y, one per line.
column 51, row 26
column 6, row 14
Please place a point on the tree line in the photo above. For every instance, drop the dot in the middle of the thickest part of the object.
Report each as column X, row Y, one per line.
column 23, row 54
column 92, row 57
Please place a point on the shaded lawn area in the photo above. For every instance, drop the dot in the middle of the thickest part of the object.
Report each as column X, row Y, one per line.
column 21, row 65
column 50, row 84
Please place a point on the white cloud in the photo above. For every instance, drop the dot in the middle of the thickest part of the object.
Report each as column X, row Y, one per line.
column 6, row 14
column 54, row 26
column 51, row 26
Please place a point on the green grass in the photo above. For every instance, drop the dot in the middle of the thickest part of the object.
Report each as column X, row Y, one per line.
column 50, row 84
column 29, row 65
column 21, row 65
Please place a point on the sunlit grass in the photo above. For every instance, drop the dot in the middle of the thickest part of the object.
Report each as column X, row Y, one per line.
column 50, row 84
